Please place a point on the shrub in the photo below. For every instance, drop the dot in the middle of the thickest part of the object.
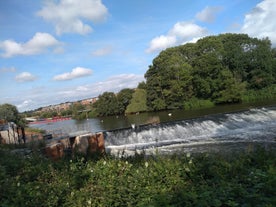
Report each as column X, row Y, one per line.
column 195, row 103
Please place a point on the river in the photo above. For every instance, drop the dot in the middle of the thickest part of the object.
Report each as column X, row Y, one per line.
column 225, row 125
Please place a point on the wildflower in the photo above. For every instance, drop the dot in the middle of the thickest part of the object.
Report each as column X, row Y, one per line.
column 104, row 163
column 18, row 184
column 190, row 162
column 126, row 162
column 146, row 164
column 89, row 202
column 187, row 169
column 188, row 155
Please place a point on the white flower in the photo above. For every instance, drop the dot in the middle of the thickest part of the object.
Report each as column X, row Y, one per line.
column 104, row 163
column 146, row 164
column 188, row 155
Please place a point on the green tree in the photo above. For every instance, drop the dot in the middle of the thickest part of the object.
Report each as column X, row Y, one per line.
column 138, row 102
column 107, row 104
column 169, row 80
column 215, row 68
column 77, row 111
column 123, row 98
column 9, row 113
column 230, row 90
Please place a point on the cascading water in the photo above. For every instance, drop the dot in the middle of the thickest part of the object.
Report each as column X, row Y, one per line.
column 252, row 126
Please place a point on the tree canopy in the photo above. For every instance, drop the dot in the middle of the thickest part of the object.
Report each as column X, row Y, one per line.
column 10, row 113
column 227, row 68
column 218, row 68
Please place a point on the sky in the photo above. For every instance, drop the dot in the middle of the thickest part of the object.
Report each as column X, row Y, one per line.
column 56, row 51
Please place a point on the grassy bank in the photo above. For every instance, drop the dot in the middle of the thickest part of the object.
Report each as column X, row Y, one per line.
column 268, row 93
column 247, row 179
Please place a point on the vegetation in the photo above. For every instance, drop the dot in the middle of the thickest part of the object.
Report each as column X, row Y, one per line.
column 226, row 68
column 246, row 179
column 220, row 69
column 9, row 113
column 138, row 102
column 109, row 103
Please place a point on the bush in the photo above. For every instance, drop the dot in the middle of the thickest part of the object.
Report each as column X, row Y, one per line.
column 263, row 94
column 241, row 179
column 195, row 103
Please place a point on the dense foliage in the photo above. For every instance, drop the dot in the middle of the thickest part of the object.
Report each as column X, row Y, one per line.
column 246, row 179
column 10, row 113
column 110, row 103
column 226, row 68
column 138, row 102
column 216, row 68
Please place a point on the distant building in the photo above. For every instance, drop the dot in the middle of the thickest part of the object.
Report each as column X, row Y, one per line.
column 89, row 101
column 58, row 107
column 67, row 105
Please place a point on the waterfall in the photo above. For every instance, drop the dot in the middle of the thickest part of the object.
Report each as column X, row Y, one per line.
column 254, row 125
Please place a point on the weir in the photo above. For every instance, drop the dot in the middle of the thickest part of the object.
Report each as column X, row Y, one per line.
column 251, row 126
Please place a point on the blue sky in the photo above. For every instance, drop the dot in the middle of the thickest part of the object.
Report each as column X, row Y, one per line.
column 54, row 51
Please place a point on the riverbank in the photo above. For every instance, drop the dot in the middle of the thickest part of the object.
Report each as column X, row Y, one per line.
column 231, row 179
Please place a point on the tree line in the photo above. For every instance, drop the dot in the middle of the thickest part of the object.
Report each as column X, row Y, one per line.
column 226, row 68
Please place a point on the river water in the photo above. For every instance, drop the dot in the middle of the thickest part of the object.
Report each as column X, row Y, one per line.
column 229, row 126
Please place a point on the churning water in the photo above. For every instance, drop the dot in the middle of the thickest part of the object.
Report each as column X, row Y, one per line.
column 251, row 126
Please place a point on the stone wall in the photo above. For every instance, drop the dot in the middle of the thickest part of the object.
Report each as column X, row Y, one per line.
column 87, row 144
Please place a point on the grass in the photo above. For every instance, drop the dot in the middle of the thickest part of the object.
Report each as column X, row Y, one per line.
column 268, row 93
column 241, row 179
column 195, row 103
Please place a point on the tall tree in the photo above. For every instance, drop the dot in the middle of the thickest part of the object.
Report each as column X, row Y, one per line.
column 107, row 104
column 123, row 98
column 218, row 68
column 138, row 102
column 9, row 113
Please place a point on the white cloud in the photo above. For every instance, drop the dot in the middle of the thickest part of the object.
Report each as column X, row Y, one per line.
column 46, row 95
column 208, row 14
column 112, row 84
column 102, row 51
column 25, row 77
column 25, row 105
column 162, row 42
column 260, row 21
column 75, row 73
column 68, row 15
column 38, row 44
column 181, row 32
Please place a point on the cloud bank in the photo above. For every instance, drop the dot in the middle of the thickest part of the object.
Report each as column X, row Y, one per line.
column 260, row 21
column 180, row 33
column 69, row 16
